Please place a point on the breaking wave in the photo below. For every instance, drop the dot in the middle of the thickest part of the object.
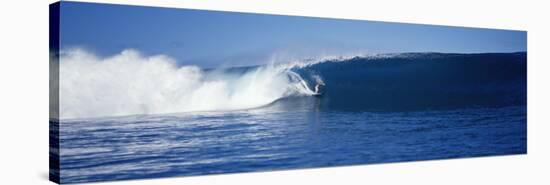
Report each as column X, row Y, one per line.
column 130, row 83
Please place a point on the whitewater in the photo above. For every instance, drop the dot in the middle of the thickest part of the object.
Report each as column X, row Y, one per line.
column 129, row 83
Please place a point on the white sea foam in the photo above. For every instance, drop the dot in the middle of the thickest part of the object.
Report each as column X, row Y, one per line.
column 130, row 83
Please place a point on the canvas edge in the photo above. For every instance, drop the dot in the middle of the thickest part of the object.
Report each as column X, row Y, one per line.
column 54, row 37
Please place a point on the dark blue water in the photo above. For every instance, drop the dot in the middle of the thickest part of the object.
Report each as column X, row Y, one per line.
column 402, row 108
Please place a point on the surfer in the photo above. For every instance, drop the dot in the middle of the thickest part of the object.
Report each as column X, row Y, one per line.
column 318, row 88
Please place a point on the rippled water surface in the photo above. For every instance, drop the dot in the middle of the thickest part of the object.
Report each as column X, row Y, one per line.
column 271, row 139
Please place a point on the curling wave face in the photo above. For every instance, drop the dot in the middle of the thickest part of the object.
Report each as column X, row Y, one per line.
column 129, row 83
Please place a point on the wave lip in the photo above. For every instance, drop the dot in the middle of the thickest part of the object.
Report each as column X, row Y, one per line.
column 129, row 83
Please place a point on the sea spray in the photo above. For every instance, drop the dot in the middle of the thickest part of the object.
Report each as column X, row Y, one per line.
column 130, row 83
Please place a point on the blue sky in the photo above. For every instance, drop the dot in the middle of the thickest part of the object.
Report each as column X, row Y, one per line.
column 213, row 38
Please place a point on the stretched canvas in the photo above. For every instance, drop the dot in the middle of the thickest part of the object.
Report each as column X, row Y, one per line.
column 146, row 92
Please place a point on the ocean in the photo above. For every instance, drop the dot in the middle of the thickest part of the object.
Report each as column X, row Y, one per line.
column 371, row 109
